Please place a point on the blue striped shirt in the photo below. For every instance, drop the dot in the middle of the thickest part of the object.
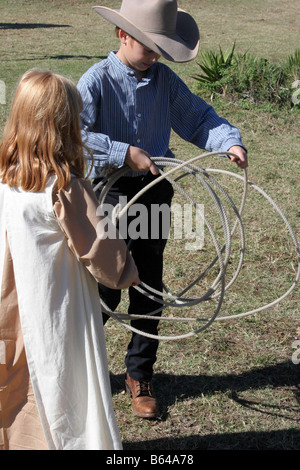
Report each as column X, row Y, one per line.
column 118, row 111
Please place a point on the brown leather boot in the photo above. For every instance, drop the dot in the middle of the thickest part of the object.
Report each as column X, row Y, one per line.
column 144, row 402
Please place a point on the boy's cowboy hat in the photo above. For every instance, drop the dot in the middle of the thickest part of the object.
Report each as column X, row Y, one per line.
column 157, row 24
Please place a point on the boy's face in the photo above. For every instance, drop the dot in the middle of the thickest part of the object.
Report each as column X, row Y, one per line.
column 135, row 55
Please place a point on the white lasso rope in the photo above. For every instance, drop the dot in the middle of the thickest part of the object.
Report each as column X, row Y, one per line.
column 218, row 288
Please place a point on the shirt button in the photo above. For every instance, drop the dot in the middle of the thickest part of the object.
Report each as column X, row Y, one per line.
column 138, row 140
column 139, row 115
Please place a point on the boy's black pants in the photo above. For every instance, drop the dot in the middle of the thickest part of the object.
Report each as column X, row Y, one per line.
column 148, row 256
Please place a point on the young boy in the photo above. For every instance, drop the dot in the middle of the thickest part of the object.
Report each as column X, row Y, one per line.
column 131, row 103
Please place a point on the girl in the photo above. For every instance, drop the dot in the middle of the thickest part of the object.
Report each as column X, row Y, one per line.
column 54, row 381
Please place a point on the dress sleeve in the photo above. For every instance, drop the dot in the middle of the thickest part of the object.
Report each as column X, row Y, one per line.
column 107, row 259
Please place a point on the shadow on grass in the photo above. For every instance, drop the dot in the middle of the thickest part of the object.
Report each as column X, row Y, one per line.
column 32, row 25
column 175, row 388
column 64, row 57
column 275, row 440
column 171, row 388
column 56, row 57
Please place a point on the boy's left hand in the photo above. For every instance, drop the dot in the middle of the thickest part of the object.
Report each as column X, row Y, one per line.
column 241, row 158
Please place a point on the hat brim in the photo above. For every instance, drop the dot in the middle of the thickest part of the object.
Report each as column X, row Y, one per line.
column 180, row 47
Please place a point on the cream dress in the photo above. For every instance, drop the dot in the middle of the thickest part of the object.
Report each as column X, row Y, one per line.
column 54, row 383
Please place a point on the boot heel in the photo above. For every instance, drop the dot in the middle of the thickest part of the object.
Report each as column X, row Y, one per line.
column 127, row 388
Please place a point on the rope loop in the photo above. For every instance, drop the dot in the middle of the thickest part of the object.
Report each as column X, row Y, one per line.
column 220, row 284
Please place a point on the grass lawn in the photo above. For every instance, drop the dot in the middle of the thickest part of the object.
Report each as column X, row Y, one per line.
column 233, row 386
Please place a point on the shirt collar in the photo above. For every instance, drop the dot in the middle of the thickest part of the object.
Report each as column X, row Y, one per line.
column 127, row 70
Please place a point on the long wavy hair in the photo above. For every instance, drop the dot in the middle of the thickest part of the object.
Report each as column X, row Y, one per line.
column 42, row 136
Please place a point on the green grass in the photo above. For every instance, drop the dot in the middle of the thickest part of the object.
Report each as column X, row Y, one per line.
column 234, row 386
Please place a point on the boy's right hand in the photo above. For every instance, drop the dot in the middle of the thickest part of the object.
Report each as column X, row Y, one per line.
column 139, row 160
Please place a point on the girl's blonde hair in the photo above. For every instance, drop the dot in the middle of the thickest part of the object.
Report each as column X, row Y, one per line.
column 42, row 136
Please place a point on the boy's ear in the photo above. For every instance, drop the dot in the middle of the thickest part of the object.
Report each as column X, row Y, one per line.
column 123, row 36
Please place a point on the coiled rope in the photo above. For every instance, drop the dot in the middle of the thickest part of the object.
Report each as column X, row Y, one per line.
column 218, row 287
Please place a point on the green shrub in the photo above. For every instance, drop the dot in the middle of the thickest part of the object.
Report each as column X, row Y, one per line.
column 257, row 79
column 246, row 77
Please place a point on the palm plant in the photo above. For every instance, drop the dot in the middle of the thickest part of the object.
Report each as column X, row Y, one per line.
column 213, row 64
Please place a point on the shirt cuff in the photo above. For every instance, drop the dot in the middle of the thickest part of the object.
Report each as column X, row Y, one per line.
column 118, row 153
